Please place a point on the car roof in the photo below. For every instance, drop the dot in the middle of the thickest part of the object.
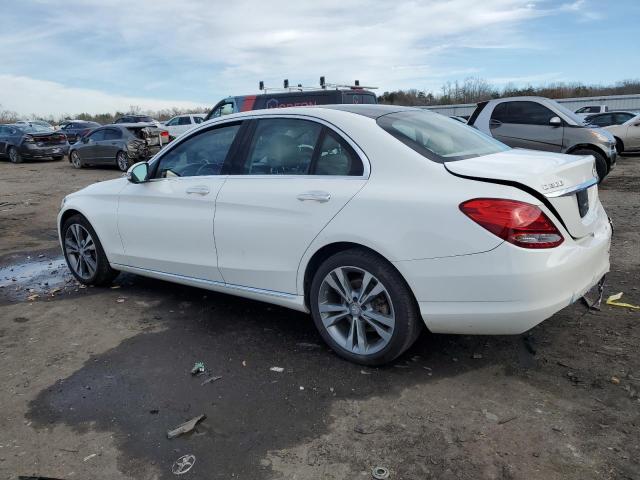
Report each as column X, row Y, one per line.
column 132, row 125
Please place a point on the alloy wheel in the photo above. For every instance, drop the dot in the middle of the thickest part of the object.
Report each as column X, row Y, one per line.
column 81, row 252
column 14, row 156
column 122, row 160
column 75, row 159
column 356, row 310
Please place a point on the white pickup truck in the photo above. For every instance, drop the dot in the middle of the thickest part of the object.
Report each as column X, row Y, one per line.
column 587, row 110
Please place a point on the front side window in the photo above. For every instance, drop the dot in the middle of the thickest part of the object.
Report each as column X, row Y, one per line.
column 224, row 109
column 523, row 113
column 97, row 136
column 198, row 119
column 602, row 120
column 172, row 122
column 282, row 147
column 437, row 137
column 199, row 155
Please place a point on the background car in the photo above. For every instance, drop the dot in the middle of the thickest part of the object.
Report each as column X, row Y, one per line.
column 181, row 123
column 539, row 123
column 138, row 119
column 470, row 237
column 20, row 142
column 121, row 145
column 77, row 128
column 38, row 123
column 624, row 126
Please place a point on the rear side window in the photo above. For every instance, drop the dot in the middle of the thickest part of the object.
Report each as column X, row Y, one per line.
column 198, row 119
column 523, row 113
column 112, row 134
column 335, row 157
column 437, row 137
column 620, row 118
column 282, row 147
column 184, row 121
column 199, row 155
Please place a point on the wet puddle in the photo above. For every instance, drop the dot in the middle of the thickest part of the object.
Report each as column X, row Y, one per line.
column 35, row 278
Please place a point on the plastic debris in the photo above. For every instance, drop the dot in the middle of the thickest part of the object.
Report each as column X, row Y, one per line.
column 277, row 369
column 615, row 380
column 198, row 368
column 613, row 300
column 31, row 298
column 490, row 416
column 186, row 427
column 210, row 379
column 183, row 464
column 89, row 457
column 119, row 300
column 380, row 473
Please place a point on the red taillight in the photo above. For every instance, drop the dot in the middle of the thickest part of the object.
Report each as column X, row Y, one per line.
column 164, row 133
column 520, row 223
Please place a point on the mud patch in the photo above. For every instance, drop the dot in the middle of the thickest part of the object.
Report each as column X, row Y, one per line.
column 35, row 278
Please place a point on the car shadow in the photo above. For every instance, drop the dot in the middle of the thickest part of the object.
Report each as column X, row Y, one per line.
column 143, row 387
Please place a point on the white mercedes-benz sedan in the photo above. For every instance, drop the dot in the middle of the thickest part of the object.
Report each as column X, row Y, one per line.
column 375, row 219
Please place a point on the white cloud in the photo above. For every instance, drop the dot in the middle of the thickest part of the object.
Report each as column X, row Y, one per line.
column 30, row 96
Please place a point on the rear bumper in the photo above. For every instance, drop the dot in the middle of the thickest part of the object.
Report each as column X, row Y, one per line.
column 507, row 290
column 31, row 152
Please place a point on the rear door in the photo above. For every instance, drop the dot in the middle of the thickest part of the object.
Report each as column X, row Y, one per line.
column 293, row 176
column 525, row 124
column 166, row 224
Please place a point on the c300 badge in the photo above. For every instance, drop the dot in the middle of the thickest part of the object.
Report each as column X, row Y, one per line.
column 549, row 186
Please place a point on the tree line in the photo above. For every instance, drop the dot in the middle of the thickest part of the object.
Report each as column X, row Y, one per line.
column 473, row 90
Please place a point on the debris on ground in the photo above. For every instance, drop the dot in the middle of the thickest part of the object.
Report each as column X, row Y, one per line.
column 364, row 429
column 615, row 380
column 198, row 368
column 490, row 416
column 244, row 363
column 277, row 369
column 613, row 300
column 119, row 300
column 183, row 464
column 210, row 379
column 186, row 427
column 31, row 298
column 380, row 473
column 89, row 457
column 507, row 420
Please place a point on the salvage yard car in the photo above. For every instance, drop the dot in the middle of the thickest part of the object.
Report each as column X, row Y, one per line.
column 181, row 123
column 624, row 126
column 376, row 219
column 542, row 124
column 31, row 142
column 121, row 145
column 76, row 129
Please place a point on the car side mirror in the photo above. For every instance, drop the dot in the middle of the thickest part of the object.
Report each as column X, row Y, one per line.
column 555, row 121
column 138, row 173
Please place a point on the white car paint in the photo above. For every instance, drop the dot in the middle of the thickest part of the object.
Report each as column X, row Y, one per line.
column 253, row 237
column 183, row 123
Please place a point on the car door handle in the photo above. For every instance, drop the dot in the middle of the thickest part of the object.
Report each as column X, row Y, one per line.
column 199, row 190
column 315, row 196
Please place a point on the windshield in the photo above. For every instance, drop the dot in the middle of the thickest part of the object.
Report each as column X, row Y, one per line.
column 437, row 137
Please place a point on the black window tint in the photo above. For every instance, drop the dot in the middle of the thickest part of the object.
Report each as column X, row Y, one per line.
column 499, row 112
column 198, row 119
column 620, row 118
column 202, row 154
column 97, row 136
column 184, row 121
column 282, row 147
column 602, row 120
column 335, row 157
column 112, row 134
column 526, row 113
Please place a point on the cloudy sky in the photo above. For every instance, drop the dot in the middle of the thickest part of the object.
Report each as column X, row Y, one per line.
column 102, row 55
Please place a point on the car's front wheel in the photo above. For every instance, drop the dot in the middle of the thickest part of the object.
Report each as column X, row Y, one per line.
column 14, row 155
column 363, row 308
column 84, row 253
column 122, row 159
column 75, row 160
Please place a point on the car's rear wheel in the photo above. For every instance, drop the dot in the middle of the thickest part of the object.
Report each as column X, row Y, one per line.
column 14, row 155
column 619, row 145
column 76, row 161
column 601, row 163
column 363, row 308
column 84, row 253
column 122, row 160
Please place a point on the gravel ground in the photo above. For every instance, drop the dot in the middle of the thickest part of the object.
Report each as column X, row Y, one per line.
column 93, row 378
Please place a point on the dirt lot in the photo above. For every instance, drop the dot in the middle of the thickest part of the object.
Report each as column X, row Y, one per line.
column 93, row 378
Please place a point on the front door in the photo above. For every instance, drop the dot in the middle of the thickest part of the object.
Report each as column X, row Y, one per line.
column 294, row 177
column 166, row 224
column 525, row 124
column 90, row 151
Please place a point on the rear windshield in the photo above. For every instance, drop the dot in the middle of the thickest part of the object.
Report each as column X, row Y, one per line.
column 437, row 137
column 34, row 128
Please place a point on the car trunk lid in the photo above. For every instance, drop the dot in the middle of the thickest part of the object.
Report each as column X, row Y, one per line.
column 566, row 184
column 49, row 138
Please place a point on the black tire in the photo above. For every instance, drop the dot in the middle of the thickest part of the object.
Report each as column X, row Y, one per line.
column 103, row 274
column 76, row 161
column 602, row 166
column 619, row 145
column 14, row 155
column 122, row 161
column 408, row 322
